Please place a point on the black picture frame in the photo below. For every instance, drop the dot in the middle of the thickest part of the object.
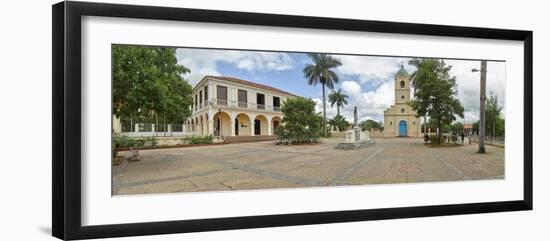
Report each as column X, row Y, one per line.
column 66, row 122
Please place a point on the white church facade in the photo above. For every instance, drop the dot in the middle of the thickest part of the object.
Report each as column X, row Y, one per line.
column 400, row 119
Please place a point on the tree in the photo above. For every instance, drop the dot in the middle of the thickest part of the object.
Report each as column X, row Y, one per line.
column 148, row 84
column 367, row 125
column 338, row 98
column 300, row 122
column 493, row 112
column 321, row 71
column 435, row 92
column 457, row 127
column 339, row 121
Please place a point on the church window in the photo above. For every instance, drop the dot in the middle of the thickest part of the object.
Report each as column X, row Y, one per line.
column 402, row 110
column 402, row 97
column 390, row 123
column 414, row 123
column 402, row 84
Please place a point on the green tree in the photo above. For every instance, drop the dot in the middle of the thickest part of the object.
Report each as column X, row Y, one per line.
column 148, row 84
column 339, row 121
column 435, row 92
column 321, row 71
column 300, row 122
column 338, row 98
column 493, row 111
column 457, row 127
column 367, row 125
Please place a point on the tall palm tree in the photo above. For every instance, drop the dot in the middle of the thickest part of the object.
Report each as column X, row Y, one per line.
column 321, row 71
column 338, row 98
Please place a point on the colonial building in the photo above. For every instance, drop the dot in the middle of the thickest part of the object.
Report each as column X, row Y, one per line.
column 226, row 106
column 400, row 119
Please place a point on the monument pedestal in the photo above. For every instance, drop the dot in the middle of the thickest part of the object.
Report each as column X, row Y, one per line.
column 355, row 139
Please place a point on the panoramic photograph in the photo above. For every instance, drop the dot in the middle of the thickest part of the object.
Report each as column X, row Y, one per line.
column 200, row 120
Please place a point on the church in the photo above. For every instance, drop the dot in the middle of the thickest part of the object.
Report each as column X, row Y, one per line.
column 400, row 119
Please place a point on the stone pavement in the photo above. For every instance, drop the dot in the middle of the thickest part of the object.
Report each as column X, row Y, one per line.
column 261, row 165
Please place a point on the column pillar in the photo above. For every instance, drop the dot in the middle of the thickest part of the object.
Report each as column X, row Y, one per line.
column 269, row 126
column 232, row 124
column 210, row 127
column 252, row 126
column 136, row 127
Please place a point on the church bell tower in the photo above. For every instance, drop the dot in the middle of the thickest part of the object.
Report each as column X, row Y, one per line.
column 402, row 86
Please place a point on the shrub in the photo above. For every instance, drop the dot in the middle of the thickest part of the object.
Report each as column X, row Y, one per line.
column 125, row 141
column 433, row 139
column 454, row 138
column 151, row 141
column 199, row 139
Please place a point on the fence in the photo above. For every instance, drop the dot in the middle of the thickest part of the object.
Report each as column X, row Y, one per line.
column 150, row 129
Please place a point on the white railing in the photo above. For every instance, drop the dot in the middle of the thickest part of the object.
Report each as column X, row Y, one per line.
column 243, row 105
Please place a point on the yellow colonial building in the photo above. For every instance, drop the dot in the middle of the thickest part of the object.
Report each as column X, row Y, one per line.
column 400, row 119
column 228, row 107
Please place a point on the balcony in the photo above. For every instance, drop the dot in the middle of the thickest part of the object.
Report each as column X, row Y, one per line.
column 242, row 105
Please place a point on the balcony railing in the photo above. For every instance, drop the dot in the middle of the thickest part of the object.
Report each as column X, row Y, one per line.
column 243, row 105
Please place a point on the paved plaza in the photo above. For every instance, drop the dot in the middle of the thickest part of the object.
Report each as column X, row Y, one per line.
column 260, row 165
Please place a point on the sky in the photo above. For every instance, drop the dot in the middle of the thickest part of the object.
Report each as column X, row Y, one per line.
column 367, row 80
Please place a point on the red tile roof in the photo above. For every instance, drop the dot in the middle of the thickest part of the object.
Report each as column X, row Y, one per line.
column 248, row 83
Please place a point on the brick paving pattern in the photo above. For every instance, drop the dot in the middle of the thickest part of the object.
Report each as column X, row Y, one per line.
column 261, row 165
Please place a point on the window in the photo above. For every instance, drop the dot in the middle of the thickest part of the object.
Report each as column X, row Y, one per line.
column 390, row 123
column 402, row 97
column 206, row 95
column 242, row 98
column 260, row 101
column 276, row 103
column 402, row 84
column 402, row 110
column 200, row 99
column 221, row 93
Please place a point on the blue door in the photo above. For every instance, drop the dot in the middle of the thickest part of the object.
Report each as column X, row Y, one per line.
column 402, row 128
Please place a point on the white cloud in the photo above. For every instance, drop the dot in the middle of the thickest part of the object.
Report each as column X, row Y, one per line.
column 469, row 85
column 379, row 71
column 370, row 69
column 370, row 104
column 203, row 62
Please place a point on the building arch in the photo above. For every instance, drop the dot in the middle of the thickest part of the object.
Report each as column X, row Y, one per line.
column 243, row 124
column 260, row 125
column 222, row 123
column 275, row 122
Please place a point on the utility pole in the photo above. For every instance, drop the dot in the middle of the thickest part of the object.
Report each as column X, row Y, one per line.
column 482, row 100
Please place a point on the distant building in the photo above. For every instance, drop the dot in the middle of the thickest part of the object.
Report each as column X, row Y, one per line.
column 400, row 119
column 227, row 106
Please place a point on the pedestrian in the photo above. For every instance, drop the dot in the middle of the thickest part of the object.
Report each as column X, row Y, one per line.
column 462, row 136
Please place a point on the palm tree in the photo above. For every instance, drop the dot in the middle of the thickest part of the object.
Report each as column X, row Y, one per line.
column 338, row 98
column 321, row 71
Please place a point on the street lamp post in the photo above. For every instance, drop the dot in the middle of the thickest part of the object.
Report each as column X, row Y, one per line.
column 483, row 80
